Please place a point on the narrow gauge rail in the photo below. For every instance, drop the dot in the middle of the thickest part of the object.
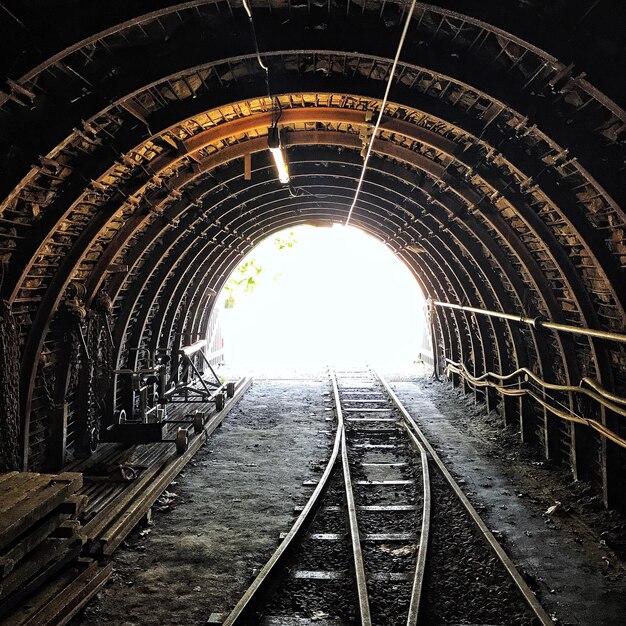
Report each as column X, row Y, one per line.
column 385, row 516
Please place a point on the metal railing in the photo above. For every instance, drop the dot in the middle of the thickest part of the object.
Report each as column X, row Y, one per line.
column 525, row 375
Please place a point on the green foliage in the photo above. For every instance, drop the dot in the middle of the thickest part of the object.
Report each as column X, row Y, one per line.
column 288, row 242
column 245, row 277
column 243, row 280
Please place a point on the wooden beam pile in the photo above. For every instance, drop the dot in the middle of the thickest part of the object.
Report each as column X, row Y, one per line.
column 40, row 543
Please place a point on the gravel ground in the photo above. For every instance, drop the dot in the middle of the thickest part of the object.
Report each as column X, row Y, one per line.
column 302, row 598
column 389, row 601
column 571, row 556
column 465, row 582
column 222, row 516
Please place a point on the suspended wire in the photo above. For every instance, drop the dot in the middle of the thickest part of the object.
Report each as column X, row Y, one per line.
column 264, row 67
column 277, row 109
column 19, row 21
column 382, row 110
column 541, row 390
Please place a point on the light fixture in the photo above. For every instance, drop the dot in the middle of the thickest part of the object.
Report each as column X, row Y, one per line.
column 273, row 143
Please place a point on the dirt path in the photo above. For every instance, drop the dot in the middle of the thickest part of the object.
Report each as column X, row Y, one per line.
column 224, row 514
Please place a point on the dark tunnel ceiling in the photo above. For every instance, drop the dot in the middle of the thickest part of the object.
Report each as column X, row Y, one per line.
column 497, row 177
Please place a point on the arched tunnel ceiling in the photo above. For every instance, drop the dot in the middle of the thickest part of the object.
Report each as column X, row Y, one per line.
column 496, row 176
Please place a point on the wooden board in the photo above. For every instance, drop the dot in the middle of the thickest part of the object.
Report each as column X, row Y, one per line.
column 42, row 577
column 73, row 598
column 58, row 602
column 38, row 560
column 25, row 498
column 46, row 594
column 74, row 505
column 38, row 533
column 6, row 476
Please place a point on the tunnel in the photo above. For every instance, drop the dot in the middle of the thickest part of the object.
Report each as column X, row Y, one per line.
column 137, row 170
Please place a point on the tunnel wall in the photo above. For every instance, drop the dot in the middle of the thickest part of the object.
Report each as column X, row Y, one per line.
column 495, row 177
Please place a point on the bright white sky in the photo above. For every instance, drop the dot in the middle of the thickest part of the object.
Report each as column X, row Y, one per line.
column 337, row 296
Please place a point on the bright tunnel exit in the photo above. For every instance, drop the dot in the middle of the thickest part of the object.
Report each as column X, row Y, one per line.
column 309, row 296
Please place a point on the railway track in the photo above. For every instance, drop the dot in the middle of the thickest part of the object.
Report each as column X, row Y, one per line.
column 387, row 536
column 60, row 558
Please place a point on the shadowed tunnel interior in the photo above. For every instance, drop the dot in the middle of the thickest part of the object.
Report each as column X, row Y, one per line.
column 135, row 175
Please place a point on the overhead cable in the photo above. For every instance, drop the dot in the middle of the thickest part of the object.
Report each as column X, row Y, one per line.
column 382, row 110
column 264, row 67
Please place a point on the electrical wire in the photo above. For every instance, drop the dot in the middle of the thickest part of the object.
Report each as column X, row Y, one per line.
column 603, row 392
column 598, row 397
column 538, row 385
column 264, row 67
column 382, row 110
column 277, row 111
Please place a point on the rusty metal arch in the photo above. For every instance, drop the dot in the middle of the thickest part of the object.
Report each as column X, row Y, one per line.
column 493, row 134
column 185, row 247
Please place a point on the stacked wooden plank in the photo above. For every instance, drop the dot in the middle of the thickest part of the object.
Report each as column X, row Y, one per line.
column 110, row 521
column 40, row 543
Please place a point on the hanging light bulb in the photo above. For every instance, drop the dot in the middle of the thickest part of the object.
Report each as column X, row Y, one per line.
column 273, row 143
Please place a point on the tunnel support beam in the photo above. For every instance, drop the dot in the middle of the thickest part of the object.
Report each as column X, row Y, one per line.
column 608, row 452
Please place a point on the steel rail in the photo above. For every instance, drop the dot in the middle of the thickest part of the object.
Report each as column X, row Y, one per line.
column 420, row 565
column 422, row 552
column 247, row 603
column 520, row 583
column 359, row 566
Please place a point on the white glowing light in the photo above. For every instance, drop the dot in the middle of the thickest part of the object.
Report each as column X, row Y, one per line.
column 281, row 165
column 338, row 295
column 275, row 146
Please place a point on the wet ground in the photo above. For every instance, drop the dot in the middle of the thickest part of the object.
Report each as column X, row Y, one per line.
column 223, row 515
